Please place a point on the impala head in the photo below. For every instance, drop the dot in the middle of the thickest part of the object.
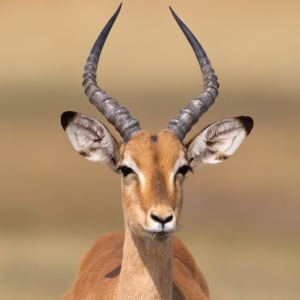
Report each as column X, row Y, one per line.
column 153, row 168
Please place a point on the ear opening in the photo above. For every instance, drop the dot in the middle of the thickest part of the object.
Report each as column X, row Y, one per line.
column 90, row 138
column 218, row 141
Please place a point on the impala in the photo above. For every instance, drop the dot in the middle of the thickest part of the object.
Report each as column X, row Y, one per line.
column 147, row 261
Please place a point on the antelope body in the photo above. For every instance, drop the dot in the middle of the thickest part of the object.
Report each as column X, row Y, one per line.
column 147, row 261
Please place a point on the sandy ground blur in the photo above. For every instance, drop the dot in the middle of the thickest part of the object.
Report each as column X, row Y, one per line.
column 240, row 218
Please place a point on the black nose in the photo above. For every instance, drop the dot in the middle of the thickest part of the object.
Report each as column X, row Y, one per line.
column 160, row 219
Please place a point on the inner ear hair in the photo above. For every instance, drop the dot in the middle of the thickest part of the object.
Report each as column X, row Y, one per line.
column 90, row 138
column 218, row 141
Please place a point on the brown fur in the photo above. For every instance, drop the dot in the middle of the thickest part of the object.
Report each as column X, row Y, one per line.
column 141, row 264
column 84, row 153
column 99, row 271
column 221, row 156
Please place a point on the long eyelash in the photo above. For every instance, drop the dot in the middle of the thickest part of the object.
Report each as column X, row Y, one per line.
column 125, row 170
column 184, row 169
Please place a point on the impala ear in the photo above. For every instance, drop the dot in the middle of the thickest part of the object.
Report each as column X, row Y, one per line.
column 218, row 141
column 90, row 138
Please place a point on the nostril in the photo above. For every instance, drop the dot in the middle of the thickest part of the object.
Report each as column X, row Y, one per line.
column 169, row 219
column 160, row 219
column 157, row 218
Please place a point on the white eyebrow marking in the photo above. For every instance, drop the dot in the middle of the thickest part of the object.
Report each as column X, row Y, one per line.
column 132, row 165
column 179, row 163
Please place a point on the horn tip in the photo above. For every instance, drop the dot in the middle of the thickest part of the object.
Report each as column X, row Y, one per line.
column 172, row 11
column 175, row 16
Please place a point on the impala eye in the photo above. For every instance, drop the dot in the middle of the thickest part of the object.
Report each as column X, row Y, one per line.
column 184, row 169
column 125, row 170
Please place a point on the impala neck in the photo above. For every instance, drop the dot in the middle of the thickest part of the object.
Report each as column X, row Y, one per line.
column 146, row 271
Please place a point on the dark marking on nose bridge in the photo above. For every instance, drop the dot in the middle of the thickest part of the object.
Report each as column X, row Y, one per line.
column 154, row 138
column 159, row 185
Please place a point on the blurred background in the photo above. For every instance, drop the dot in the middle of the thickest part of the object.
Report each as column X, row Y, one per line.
column 241, row 218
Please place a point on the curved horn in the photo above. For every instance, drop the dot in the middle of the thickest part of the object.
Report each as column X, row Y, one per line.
column 118, row 116
column 190, row 115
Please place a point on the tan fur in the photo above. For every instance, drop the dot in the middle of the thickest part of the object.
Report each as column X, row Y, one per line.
column 99, row 272
column 156, row 161
column 138, row 264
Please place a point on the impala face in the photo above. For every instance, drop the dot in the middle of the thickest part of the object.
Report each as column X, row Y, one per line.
column 153, row 167
column 153, row 170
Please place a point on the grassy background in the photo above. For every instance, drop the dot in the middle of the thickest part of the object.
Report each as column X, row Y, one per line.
column 240, row 218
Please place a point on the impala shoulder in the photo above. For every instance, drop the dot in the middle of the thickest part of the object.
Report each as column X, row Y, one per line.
column 185, row 263
column 181, row 253
column 108, row 245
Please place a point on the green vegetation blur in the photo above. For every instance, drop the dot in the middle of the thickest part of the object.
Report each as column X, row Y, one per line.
column 241, row 219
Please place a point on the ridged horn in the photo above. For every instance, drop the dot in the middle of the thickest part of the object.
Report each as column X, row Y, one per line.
column 118, row 116
column 190, row 115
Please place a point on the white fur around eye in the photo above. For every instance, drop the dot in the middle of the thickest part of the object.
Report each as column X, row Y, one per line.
column 179, row 163
column 128, row 162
